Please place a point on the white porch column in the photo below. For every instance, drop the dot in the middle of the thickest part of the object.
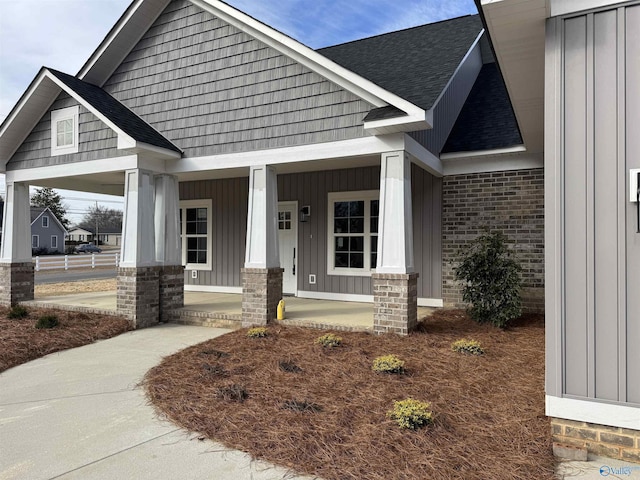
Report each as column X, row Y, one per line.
column 138, row 233
column 168, row 245
column 395, row 224
column 262, row 219
column 16, row 225
column 138, row 295
column 16, row 268
column 261, row 275
column 395, row 285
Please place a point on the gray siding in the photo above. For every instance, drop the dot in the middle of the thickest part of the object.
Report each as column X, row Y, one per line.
column 211, row 88
column 46, row 233
column 95, row 140
column 312, row 188
column 601, row 251
column 450, row 104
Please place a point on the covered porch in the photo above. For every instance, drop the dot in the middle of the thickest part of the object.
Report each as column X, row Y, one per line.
column 225, row 310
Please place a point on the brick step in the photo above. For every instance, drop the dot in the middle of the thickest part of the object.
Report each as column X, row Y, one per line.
column 208, row 319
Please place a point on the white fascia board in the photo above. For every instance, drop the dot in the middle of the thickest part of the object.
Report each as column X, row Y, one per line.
column 295, row 50
column 608, row 414
column 406, row 123
column 567, row 7
column 423, row 157
column 106, row 165
column 492, row 163
column 278, row 156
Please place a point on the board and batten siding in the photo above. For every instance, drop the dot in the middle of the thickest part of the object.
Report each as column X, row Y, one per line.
column 229, row 219
column 211, row 88
column 95, row 140
column 591, row 147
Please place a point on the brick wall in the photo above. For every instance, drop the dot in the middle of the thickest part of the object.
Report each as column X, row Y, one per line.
column 171, row 292
column 16, row 283
column 261, row 292
column 511, row 202
column 395, row 304
column 138, row 295
column 611, row 442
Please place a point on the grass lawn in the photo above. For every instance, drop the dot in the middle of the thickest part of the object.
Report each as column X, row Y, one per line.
column 322, row 411
column 21, row 341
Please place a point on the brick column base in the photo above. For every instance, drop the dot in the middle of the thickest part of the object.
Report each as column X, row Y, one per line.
column 261, row 292
column 395, row 302
column 171, row 291
column 138, row 295
column 612, row 442
column 16, row 283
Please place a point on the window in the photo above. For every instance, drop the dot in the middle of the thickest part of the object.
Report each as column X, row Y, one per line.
column 35, row 241
column 195, row 227
column 81, row 237
column 64, row 131
column 45, row 222
column 284, row 220
column 353, row 232
column 54, row 241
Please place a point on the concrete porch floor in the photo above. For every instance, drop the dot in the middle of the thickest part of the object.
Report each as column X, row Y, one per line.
column 225, row 309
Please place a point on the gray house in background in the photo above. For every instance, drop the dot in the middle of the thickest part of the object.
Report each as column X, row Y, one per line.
column 252, row 164
column 47, row 233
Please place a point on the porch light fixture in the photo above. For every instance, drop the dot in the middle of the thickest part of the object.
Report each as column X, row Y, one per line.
column 305, row 213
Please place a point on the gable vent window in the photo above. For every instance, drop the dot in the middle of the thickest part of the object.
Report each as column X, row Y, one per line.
column 64, row 131
column 45, row 221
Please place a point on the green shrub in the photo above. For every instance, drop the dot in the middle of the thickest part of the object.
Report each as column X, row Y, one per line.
column 388, row 364
column 329, row 340
column 411, row 413
column 257, row 332
column 47, row 321
column 468, row 346
column 491, row 281
column 18, row 311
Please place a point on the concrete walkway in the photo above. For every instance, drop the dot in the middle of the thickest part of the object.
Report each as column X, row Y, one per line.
column 79, row 414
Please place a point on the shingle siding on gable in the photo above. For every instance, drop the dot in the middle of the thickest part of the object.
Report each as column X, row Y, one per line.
column 95, row 139
column 211, row 89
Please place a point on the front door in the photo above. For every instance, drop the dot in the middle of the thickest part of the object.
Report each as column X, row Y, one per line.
column 288, row 243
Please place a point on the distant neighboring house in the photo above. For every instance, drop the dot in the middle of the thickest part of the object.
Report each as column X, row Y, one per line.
column 106, row 236
column 47, row 232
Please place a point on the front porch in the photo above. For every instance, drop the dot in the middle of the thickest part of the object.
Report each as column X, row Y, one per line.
column 225, row 310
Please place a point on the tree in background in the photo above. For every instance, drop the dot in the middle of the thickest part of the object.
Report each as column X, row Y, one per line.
column 48, row 198
column 106, row 219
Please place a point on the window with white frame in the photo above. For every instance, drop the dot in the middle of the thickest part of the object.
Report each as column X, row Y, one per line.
column 353, row 232
column 64, row 131
column 54, row 241
column 197, row 240
column 45, row 221
column 35, row 241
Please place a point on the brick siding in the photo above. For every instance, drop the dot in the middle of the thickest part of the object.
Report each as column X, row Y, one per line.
column 261, row 292
column 171, row 292
column 395, row 303
column 511, row 202
column 16, row 283
column 138, row 295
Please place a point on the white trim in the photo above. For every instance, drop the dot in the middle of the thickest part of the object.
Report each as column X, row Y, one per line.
column 294, row 227
column 483, row 153
column 57, row 116
column 423, row 157
column 212, row 289
column 56, row 238
column 115, row 164
column 566, row 7
column 404, row 123
column 338, row 297
column 42, row 221
column 493, row 163
column 367, row 196
column 612, row 415
column 431, row 302
column 204, row 203
column 37, row 238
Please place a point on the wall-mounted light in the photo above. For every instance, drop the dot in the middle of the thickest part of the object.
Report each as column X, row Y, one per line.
column 305, row 213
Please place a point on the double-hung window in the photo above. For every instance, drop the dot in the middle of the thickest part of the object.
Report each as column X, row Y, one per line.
column 353, row 232
column 64, row 131
column 195, row 225
column 45, row 221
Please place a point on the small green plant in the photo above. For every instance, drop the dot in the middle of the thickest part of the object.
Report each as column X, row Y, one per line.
column 257, row 332
column 411, row 413
column 491, row 281
column 468, row 346
column 47, row 321
column 329, row 340
column 18, row 311
column 388, row 364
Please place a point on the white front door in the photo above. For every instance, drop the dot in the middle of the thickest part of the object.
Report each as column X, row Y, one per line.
column 288, row 244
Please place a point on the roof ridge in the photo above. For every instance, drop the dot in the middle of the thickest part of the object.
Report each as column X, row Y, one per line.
column 397, row 31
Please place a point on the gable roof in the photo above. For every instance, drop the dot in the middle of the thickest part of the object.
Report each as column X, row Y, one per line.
column 116, row 112
column 416, row 63
column 486, row 121
column 37, row 212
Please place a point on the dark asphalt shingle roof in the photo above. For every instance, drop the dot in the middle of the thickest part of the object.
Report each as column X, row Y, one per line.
column 35, row 212
column 115, row 111
column 486, row 120
column 415, row 64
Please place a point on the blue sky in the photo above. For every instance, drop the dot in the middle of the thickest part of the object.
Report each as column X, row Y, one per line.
column 62, row 34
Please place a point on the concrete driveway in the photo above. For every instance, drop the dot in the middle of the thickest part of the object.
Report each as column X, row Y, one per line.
column 79, row 414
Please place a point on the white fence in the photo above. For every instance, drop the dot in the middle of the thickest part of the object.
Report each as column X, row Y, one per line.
column 77, row 261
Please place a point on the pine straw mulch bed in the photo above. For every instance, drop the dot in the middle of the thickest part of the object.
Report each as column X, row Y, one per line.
column 489, row 422
column 21, row 342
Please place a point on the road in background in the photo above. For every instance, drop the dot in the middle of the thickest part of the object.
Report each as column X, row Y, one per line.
column 61, row 276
